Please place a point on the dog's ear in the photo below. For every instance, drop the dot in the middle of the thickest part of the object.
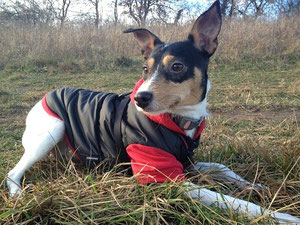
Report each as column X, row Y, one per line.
column 146, row 40
column 206, row 29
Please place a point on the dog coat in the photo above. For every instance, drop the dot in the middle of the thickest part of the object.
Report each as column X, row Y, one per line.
column 155, row 145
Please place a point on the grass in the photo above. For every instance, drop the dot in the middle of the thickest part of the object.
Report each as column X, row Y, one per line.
column 254, row 129
column 271, row 85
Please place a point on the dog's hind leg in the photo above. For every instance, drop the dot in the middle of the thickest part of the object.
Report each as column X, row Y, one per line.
column 246, row 208
column 224, row 173
column 42, row 133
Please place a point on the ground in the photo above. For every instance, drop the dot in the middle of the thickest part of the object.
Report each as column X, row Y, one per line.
column 253, row 129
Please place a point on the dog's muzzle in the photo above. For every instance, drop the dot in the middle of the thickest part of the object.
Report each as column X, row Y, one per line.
column 143, row 99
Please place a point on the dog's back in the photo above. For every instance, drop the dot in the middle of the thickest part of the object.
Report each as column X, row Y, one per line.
column 89, row 119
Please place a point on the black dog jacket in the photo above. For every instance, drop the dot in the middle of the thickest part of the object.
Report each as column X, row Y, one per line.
column 156, row 147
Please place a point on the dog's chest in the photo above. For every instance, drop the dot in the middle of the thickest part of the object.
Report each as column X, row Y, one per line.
column 190, row 133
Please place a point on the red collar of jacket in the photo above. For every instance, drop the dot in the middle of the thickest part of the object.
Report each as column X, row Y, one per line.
column 164, row 118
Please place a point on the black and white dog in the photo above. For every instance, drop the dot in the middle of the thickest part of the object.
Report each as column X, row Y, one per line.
column 156, row 129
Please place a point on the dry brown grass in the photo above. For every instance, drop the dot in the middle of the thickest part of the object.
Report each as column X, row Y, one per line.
column 250, row 39
column 239, row 40
column 66, row 194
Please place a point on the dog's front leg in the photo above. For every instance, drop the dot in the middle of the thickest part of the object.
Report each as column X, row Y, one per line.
column 224, row 173
column 249, row 209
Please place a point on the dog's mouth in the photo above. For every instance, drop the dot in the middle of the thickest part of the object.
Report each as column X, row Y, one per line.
column 151, row 109
column 154, row 107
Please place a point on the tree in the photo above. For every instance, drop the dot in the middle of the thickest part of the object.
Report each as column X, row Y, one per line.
column 30, row 12
column 232, row 8
column 259, row 6
column 63, row 12
column 178, row 16
column 116, row 16
column 288, row 7
column 139, row 10
column 224, row 7
column 245, row 8
column 95, row 4
column 166, row 12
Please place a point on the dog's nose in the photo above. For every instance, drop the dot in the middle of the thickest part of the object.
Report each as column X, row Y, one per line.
column 143, row 99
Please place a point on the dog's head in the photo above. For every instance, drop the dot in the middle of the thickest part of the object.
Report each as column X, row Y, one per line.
column 175, row 74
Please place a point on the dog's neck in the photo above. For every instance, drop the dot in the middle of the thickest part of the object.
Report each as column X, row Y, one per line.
column 195, row 112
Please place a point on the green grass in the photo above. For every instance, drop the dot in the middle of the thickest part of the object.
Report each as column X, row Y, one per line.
column 268, row 85
column 254, row 129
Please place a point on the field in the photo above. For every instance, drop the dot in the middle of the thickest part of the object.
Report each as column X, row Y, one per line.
column 253, row 129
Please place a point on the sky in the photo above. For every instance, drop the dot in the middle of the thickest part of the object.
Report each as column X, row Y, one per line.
column 106, row 7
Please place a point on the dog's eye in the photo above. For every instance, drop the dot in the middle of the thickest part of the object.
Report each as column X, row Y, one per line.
column 177, row 67
column 145, row 69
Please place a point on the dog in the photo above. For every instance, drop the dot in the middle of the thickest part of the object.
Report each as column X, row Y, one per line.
column 156, row 128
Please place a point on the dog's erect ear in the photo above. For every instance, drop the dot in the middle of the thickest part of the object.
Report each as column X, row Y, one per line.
column 206, row 29
column 146, row 40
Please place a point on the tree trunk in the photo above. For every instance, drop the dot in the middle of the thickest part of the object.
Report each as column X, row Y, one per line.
column 231, row 9
column 224, row 6
column 64, row 12
column 116, row 17
column 97, row 14
column 178, row 16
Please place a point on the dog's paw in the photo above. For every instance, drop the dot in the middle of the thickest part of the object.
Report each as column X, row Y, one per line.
column 284, row 218
column 15, row 190
column 13, row 196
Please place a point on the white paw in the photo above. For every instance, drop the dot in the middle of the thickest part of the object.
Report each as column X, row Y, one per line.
column 284, row 218
column 16, row 193
column 14, row 189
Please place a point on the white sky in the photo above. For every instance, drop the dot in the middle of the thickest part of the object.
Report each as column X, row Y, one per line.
column 106, row 7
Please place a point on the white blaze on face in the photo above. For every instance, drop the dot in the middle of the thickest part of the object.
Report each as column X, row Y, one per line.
column 146, row 86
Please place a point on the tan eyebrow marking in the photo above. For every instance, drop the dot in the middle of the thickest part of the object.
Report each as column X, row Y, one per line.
column 167, row 59
column 150, row 63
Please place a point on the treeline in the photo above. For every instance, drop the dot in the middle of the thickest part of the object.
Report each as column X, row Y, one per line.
column 44, row 36
column 97, row 13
